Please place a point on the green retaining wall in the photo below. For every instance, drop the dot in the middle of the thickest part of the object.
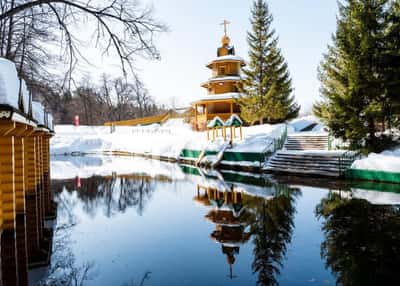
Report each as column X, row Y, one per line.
column 228, row 156
column 381, row 176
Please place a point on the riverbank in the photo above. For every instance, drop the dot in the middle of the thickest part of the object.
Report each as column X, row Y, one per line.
column 175, row 142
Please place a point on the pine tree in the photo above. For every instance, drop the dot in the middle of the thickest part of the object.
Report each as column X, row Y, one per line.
column 267, row 86
column 354, row 76
column 391, row 64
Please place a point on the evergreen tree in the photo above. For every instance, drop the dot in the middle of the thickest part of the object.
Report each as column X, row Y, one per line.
column 272, row 232
column 267, row 86
column 362, row 241
column 391, row 64
column 357, row 85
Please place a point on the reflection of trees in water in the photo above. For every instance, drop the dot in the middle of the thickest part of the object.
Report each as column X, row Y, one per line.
column 362, row 241
column 272, row 231
column 64, row 269
column 113, row 194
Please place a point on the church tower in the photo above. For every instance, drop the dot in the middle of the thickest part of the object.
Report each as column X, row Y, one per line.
column 222, row 86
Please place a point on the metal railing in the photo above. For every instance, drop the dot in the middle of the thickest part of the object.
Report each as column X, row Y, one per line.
column 330, row 139
column 346, row 160
column 277, row 144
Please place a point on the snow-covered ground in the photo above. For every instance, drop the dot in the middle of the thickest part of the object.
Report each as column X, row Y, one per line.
column 166, row 140
column 388, row 161
column 300, row 123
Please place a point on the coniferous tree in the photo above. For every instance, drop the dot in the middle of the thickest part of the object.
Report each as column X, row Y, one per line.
column 267, row 86
column 272, row 232
column 391, row 64
column 359, row 75
column 361, row 245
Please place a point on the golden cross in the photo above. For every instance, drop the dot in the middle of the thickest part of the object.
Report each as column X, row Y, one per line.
column 225, row 23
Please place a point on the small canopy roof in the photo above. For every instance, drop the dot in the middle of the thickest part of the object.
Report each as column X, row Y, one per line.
column 234, row 120
column 216, row 122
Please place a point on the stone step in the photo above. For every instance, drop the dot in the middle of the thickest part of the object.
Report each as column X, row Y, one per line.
column 305, row 172
column 307, row 138
column 311, row 164
column 306, row 146
column 323, row 155
column 303, row 169
column 305, row 142
column 304, row 149
column 308, row 162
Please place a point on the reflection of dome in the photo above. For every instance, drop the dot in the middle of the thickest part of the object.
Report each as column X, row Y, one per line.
column 230, row 253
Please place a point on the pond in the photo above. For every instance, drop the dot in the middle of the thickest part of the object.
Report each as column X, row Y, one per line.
column 132, row 221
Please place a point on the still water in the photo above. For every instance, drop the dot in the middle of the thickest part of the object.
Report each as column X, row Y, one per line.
column 131, row 221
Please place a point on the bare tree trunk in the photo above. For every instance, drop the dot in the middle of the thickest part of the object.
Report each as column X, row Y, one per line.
column 10, row 33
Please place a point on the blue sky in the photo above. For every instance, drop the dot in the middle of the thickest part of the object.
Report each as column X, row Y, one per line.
column 304, row 28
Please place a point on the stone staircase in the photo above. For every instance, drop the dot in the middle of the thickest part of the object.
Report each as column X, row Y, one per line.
column 307, row 153
column 307, row 141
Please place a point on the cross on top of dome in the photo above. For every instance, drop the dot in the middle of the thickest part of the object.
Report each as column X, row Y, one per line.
column 226, row 49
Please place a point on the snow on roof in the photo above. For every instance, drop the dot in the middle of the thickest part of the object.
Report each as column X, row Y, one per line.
column 38, row 112
column 228, row 95
column 25, row 96
column 234, row 120
column 216, row 122
column 227, row 58
column 9, row 83
column 224, row 78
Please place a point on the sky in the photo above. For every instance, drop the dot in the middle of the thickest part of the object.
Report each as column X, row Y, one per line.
column 304, row 28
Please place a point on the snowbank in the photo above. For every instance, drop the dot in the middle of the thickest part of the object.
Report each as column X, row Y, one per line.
column 9, row 83
column 306, row 121
column 166, row 140
column 388, row 161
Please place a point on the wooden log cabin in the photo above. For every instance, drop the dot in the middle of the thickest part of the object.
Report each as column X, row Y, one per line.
column 222, row 87
column 25, row 195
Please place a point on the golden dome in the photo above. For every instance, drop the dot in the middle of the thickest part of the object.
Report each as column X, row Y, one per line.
column 225, row 40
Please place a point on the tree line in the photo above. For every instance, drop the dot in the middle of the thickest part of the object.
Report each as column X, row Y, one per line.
column 111, row 99
column 42, row 38
column 359, row 75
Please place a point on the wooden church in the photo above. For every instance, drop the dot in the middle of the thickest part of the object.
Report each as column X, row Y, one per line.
column 222, row 87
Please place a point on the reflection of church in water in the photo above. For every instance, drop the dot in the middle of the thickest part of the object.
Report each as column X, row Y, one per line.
column 231, row 218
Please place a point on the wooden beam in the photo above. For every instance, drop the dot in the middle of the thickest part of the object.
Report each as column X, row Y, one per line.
column 7, row 178
column 6, row 127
